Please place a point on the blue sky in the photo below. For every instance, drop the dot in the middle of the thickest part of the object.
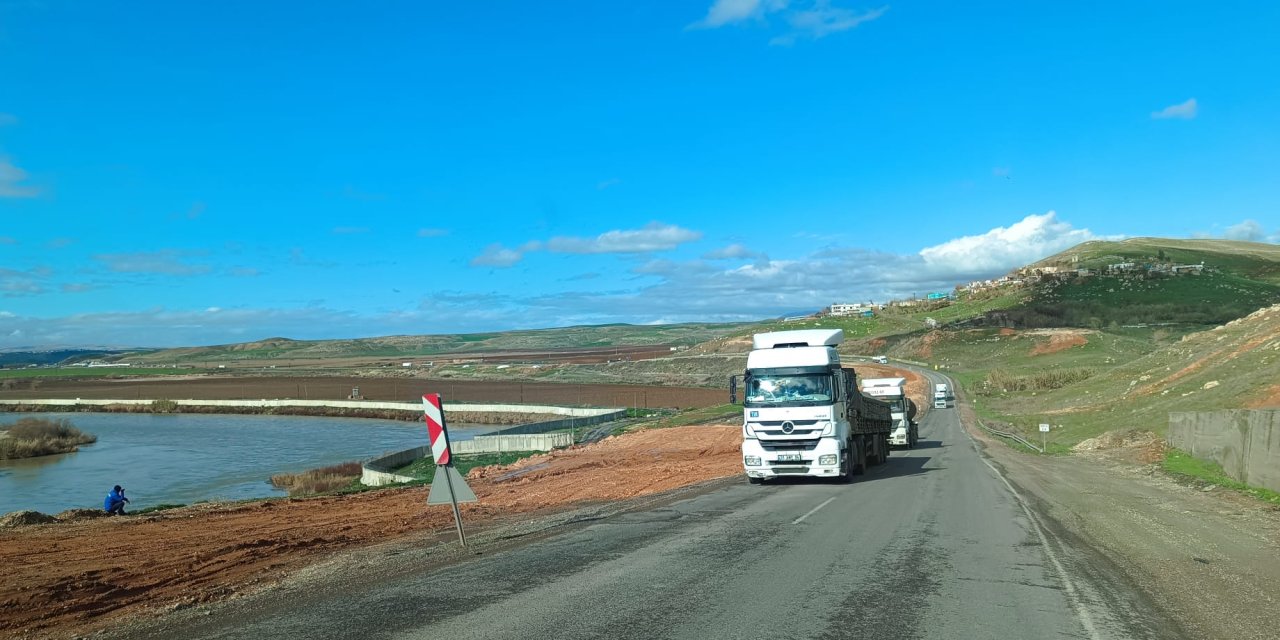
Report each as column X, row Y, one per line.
column 203, row 173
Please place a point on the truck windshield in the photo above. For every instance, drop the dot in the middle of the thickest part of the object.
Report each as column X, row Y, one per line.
column 795, row 390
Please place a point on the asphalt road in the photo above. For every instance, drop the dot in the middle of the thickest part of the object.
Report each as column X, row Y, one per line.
column 933, row 544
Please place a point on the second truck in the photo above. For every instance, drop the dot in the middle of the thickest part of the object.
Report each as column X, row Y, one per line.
column 803, row 414
column 894, row 392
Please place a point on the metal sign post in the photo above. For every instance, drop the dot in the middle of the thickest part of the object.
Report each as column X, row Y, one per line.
column 454, row 489
column 1044, row 439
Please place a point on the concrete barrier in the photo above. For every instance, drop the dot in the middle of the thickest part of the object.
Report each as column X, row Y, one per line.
column 381, row 471
column 502, row 444
column 1245, row 442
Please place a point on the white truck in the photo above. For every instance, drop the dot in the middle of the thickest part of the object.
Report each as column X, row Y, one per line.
column 893, row 392
column 941, row 394
column 802, row 412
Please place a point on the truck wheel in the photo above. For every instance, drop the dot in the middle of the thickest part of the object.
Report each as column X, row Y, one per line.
column 861, row 466
column 846, row 468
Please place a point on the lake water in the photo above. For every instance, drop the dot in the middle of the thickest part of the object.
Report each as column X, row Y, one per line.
column 186, row 458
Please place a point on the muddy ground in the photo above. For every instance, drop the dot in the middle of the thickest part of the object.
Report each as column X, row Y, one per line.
column 383, row 389
column 67, row 578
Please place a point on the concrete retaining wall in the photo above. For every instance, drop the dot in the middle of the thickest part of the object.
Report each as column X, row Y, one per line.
column 379, row 471
column 1245, row 442
column 501, row 444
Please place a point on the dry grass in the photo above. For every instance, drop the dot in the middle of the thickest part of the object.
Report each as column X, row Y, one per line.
column 1000, row 381
column 31, row 437
column 318, row 480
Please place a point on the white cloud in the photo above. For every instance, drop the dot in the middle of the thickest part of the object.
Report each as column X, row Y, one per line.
column 15, row 283
column 496, row 255
column 350, row 231
column 11, row 179
column 822, row 20
column 431, row 232
column 1248, row 231
column 1004, row 248
column 733, row 252
column 724, row 12
column 1182, row 111
column 169, row 262
column 654, row 236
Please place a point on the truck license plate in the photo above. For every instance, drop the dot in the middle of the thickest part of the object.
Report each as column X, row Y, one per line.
column 788, row 457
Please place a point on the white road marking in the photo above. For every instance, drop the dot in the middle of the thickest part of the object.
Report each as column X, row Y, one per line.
column 814, row 510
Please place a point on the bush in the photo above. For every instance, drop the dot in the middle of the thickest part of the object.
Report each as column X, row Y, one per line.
column 31, row 437
column 318, row 480
column 164, row 406
column 1000, row 381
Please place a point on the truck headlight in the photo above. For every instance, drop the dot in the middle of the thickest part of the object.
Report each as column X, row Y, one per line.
column 827, row 460
column 751, row 461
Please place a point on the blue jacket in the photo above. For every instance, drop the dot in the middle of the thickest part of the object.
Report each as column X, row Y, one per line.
column 114, row 498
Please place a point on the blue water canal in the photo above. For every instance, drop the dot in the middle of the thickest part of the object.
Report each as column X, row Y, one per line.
column 187, row 458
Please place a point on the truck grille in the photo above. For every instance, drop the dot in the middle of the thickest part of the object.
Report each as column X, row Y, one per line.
column 789, row 445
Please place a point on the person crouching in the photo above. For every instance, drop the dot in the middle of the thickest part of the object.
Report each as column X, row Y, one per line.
column 114, row 504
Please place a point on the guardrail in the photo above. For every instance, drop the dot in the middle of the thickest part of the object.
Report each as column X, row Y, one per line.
column 1012, row 436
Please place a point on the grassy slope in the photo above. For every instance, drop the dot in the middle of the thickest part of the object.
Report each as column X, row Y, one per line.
column 1137, row 379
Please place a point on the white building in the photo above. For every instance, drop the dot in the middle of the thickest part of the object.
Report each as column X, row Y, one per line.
column 846, row 309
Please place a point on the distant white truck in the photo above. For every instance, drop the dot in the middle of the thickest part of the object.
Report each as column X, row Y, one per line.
column 941, row 394
column 893, row 391
column 880, row 360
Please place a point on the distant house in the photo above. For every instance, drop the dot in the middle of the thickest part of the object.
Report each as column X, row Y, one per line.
column 846, row 309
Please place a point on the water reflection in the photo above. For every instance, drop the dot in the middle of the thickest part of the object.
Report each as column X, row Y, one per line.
column 188, row 458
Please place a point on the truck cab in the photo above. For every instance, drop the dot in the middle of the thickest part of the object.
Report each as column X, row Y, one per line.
column 893, row 392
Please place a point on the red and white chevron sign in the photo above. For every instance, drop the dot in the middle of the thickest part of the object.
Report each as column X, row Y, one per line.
column 431, row 406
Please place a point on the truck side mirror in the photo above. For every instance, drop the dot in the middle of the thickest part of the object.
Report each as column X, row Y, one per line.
column 733, row 389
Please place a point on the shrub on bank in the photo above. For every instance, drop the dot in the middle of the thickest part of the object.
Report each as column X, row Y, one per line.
column 318, row 480
column 31, row 437
column 164, row 406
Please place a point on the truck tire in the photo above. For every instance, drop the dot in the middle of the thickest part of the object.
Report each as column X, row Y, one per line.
column 846, row 468
column 860, row 459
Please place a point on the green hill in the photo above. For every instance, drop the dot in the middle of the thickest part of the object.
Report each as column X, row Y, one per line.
column 1145, row 281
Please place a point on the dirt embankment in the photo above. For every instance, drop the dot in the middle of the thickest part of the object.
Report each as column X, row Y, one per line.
column 80, row 575
column 1059, row 340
